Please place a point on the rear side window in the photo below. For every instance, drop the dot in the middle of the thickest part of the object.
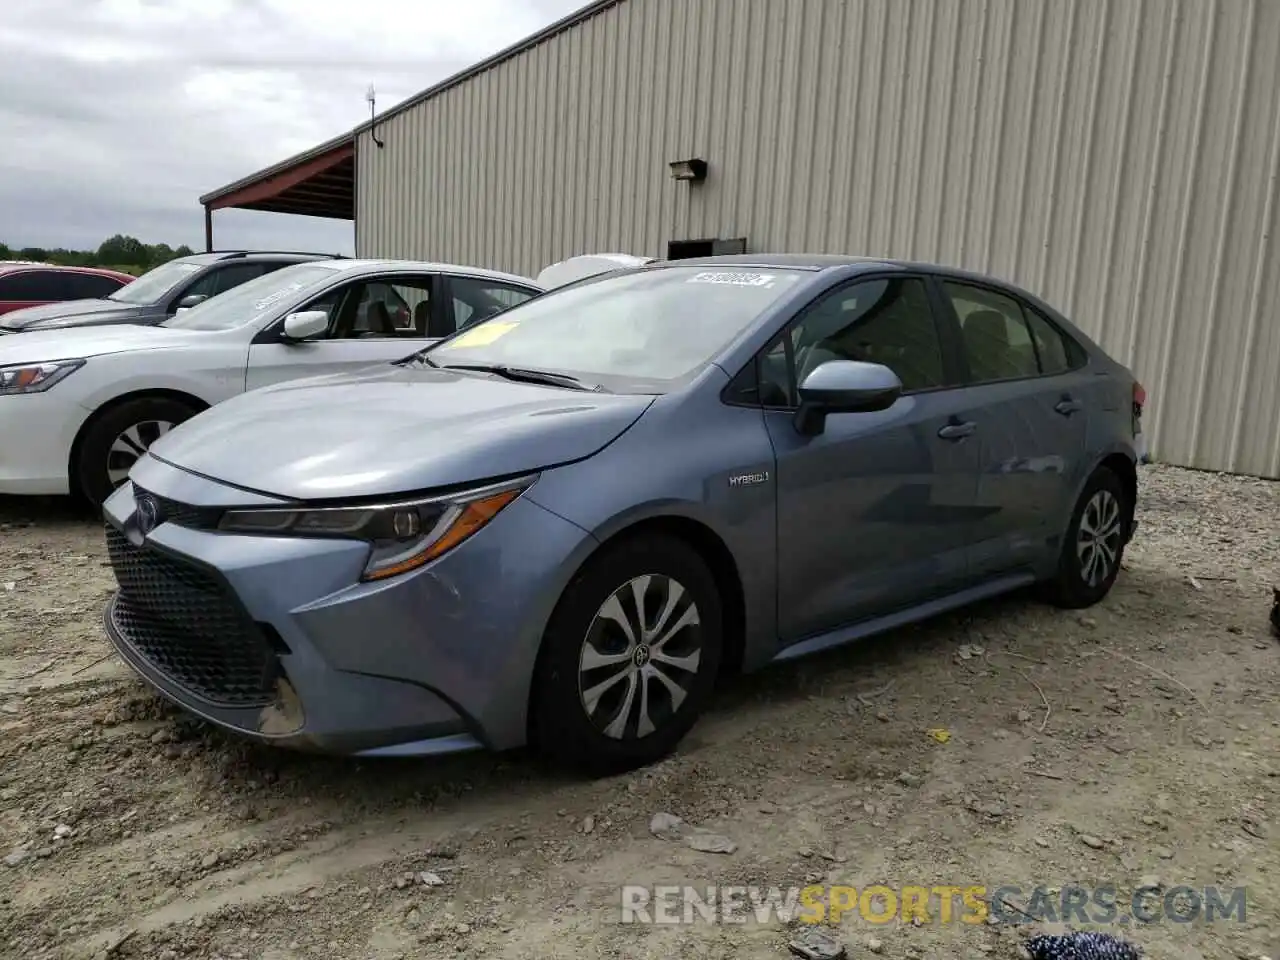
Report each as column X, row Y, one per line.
column 91, row 286
column 475, row 300
column 996, row 337
column 35, row 285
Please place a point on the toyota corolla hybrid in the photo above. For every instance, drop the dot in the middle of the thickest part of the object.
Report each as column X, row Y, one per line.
column 562, row 524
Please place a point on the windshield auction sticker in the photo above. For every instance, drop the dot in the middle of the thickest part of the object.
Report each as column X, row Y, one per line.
column 734, row 278
column 485, row 333
column 276, row 297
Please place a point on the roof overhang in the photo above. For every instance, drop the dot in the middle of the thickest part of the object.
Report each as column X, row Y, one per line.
column 320, row 182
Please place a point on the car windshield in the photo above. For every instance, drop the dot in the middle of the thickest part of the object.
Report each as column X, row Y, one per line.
column 250, row 300
column 653, row 326
column 155, row 284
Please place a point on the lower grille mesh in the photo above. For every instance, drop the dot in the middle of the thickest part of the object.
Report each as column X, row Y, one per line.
column 185, row 623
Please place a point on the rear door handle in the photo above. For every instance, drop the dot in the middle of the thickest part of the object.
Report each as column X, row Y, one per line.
column 957, row 431
column 1067, row 406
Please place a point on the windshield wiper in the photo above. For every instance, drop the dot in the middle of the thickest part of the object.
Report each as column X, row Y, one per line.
column 415, row 360
column 528, row 376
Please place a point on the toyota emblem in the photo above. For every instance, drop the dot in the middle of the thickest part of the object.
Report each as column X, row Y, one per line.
column 148, row 514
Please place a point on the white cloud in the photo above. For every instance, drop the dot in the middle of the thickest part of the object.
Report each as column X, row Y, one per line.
column 116, row 115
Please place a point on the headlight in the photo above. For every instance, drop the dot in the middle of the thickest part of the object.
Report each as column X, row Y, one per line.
column 402, row 536
column 36, row 377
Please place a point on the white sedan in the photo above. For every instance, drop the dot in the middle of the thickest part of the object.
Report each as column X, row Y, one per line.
column 79, row 406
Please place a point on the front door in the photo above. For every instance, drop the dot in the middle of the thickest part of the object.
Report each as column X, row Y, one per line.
column 1029, row 408
column 370, row 321
column 874, row 512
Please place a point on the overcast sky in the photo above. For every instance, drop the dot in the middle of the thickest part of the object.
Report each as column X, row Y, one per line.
column 116, row 115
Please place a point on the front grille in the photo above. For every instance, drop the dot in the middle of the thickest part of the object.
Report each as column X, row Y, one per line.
column 187, row 625
column 182, row 514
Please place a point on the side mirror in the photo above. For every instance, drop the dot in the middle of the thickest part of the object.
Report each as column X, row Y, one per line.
column 844, row 386
column 191, row 300
column 304, row 325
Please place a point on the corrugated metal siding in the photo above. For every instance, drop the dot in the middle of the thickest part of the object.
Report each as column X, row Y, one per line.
column 1117, row 157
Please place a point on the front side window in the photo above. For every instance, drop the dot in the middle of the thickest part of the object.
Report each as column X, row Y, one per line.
column 886, row 320
column 230, row 277
column 157, row 284
column 647, row 328
column 251, row 301
column 386, row 308
column 996, row 338
column 40, row 285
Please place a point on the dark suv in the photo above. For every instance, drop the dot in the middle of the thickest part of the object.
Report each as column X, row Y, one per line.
column 159, row 293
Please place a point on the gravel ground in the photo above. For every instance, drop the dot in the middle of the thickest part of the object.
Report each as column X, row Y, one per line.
column 1139, row 738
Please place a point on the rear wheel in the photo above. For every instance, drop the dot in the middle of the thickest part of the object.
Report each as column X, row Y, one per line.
column 117, row 437
column 629, row 658
column 1094, row 544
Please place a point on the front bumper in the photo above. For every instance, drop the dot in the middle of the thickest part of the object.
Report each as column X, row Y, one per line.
column 36, row 434
column 276, row 639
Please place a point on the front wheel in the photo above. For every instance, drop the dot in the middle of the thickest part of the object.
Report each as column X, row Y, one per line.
column 117, row 437
column 629, row 657
column 1094, row 544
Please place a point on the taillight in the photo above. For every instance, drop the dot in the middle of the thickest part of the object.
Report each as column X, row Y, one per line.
column 1139, row 401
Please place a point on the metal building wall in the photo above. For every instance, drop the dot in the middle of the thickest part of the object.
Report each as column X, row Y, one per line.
column 1117, row 157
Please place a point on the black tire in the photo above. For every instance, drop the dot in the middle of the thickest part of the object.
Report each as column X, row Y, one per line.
column 90, row 472
column 1076, row 585
column 561, row 726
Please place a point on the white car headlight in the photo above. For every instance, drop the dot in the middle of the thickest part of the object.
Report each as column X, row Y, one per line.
column 36, row 377
column 402, row 536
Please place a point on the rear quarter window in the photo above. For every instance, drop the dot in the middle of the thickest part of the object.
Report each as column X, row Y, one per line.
column 1059, row 353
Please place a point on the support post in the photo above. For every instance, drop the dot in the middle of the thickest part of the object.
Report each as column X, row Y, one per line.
column 208, row 229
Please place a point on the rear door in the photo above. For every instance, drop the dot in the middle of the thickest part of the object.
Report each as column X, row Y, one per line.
column 371, row 320
column 1027, row 401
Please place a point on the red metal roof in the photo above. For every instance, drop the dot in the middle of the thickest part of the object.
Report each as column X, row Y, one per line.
column 320, row 182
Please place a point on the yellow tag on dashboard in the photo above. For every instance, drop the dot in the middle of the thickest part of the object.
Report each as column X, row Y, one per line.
column 481, row 335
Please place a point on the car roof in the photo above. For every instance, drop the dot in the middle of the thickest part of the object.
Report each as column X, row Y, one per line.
column 8, row 266
column 818, row 262
column 425, row 266
column 217, row 256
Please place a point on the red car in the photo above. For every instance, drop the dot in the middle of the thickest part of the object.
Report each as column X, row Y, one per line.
column 24, row 284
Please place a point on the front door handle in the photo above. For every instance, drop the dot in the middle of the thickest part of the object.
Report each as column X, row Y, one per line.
column 1067, row 406
column 957, row 431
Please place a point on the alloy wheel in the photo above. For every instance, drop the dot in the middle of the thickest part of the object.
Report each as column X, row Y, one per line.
column 640, row 657
column 130, row 445
column 1098, row 540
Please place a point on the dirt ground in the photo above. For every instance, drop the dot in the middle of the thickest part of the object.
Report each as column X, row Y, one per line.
column 1139, row 738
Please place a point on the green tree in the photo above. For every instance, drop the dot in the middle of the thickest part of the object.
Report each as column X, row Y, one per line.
column 124, row 250
column 119, row 251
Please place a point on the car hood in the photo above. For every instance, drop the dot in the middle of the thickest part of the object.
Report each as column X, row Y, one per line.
column 20, row 319
column 40, row 346
column 392, row 430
